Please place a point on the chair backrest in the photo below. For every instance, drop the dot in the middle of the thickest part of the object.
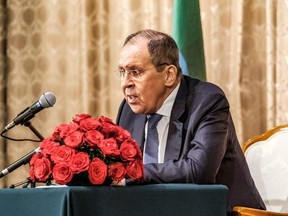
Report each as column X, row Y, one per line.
column 267, row 158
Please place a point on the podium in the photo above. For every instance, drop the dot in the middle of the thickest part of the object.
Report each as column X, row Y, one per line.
column 136, row 200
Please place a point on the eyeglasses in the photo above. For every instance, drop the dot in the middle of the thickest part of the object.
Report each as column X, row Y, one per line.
column 134, row 73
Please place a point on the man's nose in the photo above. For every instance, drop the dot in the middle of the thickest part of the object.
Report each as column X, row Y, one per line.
column 126, row 80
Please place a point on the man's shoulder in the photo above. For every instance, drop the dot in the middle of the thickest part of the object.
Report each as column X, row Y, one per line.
column 198, row 86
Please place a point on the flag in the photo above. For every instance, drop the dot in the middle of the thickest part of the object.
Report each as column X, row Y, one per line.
column 187, row 32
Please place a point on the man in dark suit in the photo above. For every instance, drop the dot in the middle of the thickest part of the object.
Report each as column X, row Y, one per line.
column 196, row 136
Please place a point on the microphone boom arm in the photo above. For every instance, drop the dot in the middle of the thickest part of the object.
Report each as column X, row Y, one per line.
column 26, row 158
column 33, row 129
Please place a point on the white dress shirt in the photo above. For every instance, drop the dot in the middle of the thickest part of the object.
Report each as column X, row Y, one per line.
column 163, row 124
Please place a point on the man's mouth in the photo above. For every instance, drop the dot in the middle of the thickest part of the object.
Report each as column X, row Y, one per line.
column 131, row 99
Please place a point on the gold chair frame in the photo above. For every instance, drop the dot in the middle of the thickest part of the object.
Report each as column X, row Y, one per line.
column 245, row 211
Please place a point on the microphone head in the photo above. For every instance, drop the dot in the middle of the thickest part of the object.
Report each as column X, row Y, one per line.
column 47, row 99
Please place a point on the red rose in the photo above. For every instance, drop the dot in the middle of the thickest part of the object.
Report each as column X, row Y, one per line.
column 116, row 171
column 64, row 130
column 135, row 170
column 57, row 131
column 109, row 147
column 89, row 124
column 108, row 129
column 62, row 173
column 79, row 117
column 74, row 140
column 35, row 157
column 93, row 137
column 122, row 135
column 62, row 154
column 40, row 168
column 31, row 163
column 136, row 146
column 79, row 162
column 47, row 146
column 97, row 171
column 105, row 119
column 128, row 150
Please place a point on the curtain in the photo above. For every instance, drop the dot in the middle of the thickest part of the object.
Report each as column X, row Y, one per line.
column 246, row 51
column 71, row 48
column 3, row 110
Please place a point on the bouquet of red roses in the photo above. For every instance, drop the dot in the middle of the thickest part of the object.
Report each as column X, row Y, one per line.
column 92, row 151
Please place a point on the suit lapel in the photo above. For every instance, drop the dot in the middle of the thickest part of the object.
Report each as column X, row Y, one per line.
column 138, row 132
column 175, row 133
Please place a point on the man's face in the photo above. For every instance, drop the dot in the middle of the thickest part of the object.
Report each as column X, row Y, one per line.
column 145, row 93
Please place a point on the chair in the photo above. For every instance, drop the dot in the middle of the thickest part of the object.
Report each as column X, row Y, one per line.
column 267, row 158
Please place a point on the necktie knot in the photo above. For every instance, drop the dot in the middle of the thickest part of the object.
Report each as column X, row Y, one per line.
column 153, row 120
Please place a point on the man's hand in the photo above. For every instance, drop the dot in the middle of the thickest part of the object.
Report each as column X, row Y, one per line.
column 119, row 183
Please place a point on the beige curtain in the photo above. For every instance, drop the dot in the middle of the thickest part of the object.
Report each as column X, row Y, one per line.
column 246, row 47
column 71, row 47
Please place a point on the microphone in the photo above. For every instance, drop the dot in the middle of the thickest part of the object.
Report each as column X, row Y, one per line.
column 24, row 160
column 46, row 100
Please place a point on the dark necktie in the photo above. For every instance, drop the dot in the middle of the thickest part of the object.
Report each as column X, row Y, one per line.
column 151, row 149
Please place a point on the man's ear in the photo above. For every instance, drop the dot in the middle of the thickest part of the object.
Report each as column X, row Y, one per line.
column 171, row 75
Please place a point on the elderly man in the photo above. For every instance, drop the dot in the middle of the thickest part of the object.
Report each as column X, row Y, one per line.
column 193, row 130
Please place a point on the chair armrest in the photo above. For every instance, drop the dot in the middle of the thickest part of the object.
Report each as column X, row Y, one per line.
column 245, row 211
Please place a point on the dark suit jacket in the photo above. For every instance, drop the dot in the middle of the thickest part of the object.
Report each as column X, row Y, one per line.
column 202, row 146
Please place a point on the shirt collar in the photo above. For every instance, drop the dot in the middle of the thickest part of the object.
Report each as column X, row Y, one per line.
column 166, row 107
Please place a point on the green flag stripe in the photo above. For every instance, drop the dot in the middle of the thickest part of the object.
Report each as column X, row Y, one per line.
column 187, row 32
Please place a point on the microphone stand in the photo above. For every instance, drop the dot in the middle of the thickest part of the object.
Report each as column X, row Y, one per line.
column 24, row 160
column 25, row 184
column 33, row 129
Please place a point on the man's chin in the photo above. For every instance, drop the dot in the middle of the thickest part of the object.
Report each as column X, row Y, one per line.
column 136, row 109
